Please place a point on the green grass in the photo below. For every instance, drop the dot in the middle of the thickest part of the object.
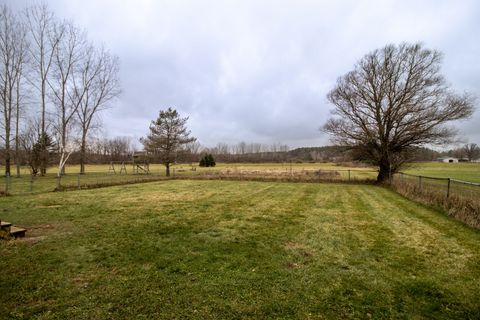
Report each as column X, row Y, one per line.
column 97, row 175
column 101, row 175
column 230, row 250
column 461, row 171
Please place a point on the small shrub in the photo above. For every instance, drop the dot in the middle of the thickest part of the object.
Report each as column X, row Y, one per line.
column 207, row 161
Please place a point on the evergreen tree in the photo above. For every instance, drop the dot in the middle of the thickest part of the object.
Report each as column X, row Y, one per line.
column 207, row 161
column 167, row 134
column 211, row 161
column 40, row 153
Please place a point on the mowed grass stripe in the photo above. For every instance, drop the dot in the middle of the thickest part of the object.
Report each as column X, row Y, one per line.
column 422, row 247
column 218, row 249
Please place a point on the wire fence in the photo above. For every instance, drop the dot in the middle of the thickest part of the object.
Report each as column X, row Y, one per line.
column 30, row 184
column 461, row 199
column 34, row 184
column 294, row 175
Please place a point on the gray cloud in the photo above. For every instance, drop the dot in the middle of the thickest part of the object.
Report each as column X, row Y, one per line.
column 260, row 70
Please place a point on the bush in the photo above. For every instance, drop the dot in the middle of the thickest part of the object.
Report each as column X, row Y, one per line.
column 207, row 161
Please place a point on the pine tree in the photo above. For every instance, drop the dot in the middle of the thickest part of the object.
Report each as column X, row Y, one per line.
column 167, row 134
column 207, row 161
column 202, row 162
column 40, row 153
column 211, row 161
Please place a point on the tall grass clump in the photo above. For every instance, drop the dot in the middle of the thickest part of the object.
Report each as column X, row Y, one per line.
column 458, row 199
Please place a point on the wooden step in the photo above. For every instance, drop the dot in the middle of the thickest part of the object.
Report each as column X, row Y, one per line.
column 17, row 232
column 5, row 226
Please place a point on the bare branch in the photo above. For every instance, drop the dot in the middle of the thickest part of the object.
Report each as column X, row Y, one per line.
column 394, row 99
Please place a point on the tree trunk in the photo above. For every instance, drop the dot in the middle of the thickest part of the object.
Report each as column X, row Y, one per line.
column 7, row 157
column 63, row 141
column 167, row 166
column 17, row 129
column 384, row 172
column 43, row 152
column 43, row 109
column 7, row 141
column 82, row 153
column 17, row 140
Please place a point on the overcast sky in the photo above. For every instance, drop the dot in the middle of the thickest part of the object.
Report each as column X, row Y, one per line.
column 259, row 71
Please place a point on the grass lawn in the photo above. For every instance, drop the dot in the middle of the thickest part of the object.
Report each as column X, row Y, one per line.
column 461, row 171
column 230, row 250
column 101, row 175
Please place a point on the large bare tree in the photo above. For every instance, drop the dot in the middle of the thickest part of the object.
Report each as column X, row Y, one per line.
column 394, row 99
column 12, row 53
column 98, row 84
column 43, row 43
column 73, row 79
column 20, row 91
column 66, row 57
column 167, row 134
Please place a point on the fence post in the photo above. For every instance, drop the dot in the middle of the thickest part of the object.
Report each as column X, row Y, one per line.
column 7, row 182
column 448, row 188
column 31, row 183
column 349, row 175
column 420, row 183
column 78, row 181
column 173, row 172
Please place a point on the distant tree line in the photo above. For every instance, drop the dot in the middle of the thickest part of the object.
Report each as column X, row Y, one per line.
column 467, row 152
column 227, row 154
column 248, row 152
column 53, row 84
column 105, row 150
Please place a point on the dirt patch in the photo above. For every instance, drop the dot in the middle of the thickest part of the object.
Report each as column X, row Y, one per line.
column 300, row 253
column 41, row 232
column 32, row 240
column 294, row 265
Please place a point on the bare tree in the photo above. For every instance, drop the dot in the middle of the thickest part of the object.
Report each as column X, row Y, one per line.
column 44, row 41
column 119, row 148
column 393, row 100
column 222, row 148
column 241, row 148
column 27, row 139
column 19, row 90
column 256, row 147
column 167, row 134
column 98, row 85
column 193, row 150
column 193, row 147
column 472, row 151
column 66, row 57
column 12, row 46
